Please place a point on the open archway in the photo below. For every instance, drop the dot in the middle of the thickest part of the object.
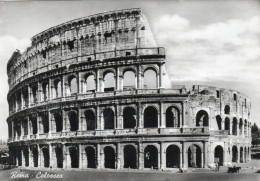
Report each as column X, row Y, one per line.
column 194, row 156
column 130, row 159
column 172, row 117
column 129, row 117
column 234, row 154
column 91, row 157
column 74, row 122
column 74, row 157
column 46, row 157
column 172, row 156
column 90, row 120
column 150, row 79
column 219, row 154
column 150, row 117
column 110, row 155
column 108, row 115
column 35, row 157
column 58, row 121
column 129, row 80
column 202, row 118
column 59, row 157
column 151, row 157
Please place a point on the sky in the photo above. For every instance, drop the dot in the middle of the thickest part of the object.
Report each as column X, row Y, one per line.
column 207, row 42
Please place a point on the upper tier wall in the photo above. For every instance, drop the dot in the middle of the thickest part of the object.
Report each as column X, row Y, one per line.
column 86, row 39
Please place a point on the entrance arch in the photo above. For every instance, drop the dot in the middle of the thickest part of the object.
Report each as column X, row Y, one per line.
column 202, row 118
column 129, row 117
column 234, row 154
column 241, row 155
column 74, row 122
column 194, row 156
column 59, row 157
column 35, row 157
column 172, row 117
column 26, row 157
column 219, row 153
column 151, row 157
column 173, row 156
column 90, row 120
column 108, row 114
column 150, row 117
column 130, row 158
column 74, row 157
column 91, row 157
column 110, row 155
column 46, row 157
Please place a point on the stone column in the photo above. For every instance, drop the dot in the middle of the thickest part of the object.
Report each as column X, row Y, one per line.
column 206, row 155
column 97, row 81
column 37, row 123
column 160, row 76
column 65, row 120
column 162, row 117
column 98, row 152
column 50, row 123
column 184, row 105
column 238, row 131
column 51, row 156
column 141, row 155
column 80, row 91
column 139, row 77
column 29, row 96
column 118, row 155
column 22, row 100
column 23, row 158
column 140, row 116
column 238, row 154
column 184, row 156
column 98, row 118
column 162, row 156
column 117, row 79
column 79, row 118
column 65, row 156
column 40, row 91
column 50, row 91
column 230, row 126
column 80, row 157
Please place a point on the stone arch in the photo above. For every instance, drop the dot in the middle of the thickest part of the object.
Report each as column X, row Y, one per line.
column 46, row 157
column 91, row 157
column 202, row 118
column 45, row 91
column 73, row 84
column 240, row 125
column 90, row 83
column 34, row 89
column 45, row 123
column 57, row 88
column 26, row 157
column 150, row 78
column 110, row 157
column 90, row 120
column 234, row 126
column 227, row 109
column 35, row 157
column 109, row 81
column 58, row 122
column 241, row 155
column 33, row 120
column 129, row 79
column 130, row 158
column 172, row 117
column 194, row 156
column 74, row 121
column 245, row 127
column 219, row 153
column 129, row 117
column 150, row 117
column 18, row 154
column 74, row 157
column 173, row 156
column 59, row 157
column 234, row 153
column 219, row 120
column 151, row 157
column 108, row 115
column 227, row 124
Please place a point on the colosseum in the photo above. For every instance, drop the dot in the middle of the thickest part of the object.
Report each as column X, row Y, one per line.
column 94, row 93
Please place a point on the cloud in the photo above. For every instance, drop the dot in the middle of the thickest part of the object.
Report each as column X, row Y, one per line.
column 218, row 51
column 8, row 44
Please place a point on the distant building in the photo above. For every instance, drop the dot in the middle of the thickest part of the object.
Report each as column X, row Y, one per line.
column 94, row 93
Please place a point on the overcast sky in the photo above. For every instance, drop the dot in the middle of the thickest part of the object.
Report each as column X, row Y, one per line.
column 207, row 42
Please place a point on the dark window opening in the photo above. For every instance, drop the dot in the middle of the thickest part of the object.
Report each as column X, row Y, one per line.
column 235, row 97
column 173, row 157
column 128, row 53
column 202, row 118
column 74, row 123
column 129, row 117
column 219, row 154
column 130, row 159
column 218, row 95
column 46, row 157
column 227, row 124
column 194, row 156
column 74, row 157
column 59, row 157
column 151, row 157
column 150, row 117
column 109, row 118
column 58, row 122
column 71, row 44
column 90, row 120
column 227, row 109
column 109, row 154
column 219, row 120
column 91, row 157
column 172, row 117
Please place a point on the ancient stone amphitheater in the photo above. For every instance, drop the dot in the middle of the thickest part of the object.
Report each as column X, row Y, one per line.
column 94, row 93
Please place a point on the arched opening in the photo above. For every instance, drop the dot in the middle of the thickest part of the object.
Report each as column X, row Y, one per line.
column 151, row 157
column 219, row 154
column 150, row 79
column 26, row 157
column 73, row 85
column 58, row 122
column 129, row 80
column 227, row 124
column 25, row 97
column 90, row 84
column 150, row 117
column 19, row 157
column 173, row 156
column 234, row 126
column 129, row 117
column 130, row 158
column 34, row 93
column 45, row 123
column 227, row 109
column 219, row 120
column 109, row 82
column 234, row 154
column 35, row 157
column 241, row 155
column 46, row 157
column 74, row 157
column 172, row 117
column 90, row 120
column 240, row 126
column 194, row 156
column 57, row 89
column 34, row 124
column 245, row 127
column 74, row 122
column 245, row 160
column 110, row 155
column 91, row 157
column 45, row 91
column 59, row 157
column 109, row 118
column 202, row 118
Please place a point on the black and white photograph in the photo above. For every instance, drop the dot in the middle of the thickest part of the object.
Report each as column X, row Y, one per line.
column 130, row 90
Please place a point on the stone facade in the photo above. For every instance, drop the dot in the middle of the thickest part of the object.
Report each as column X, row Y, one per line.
column 66, row 113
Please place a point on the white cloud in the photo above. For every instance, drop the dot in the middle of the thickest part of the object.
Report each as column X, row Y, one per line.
column 8, row 44
column 219, row 51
